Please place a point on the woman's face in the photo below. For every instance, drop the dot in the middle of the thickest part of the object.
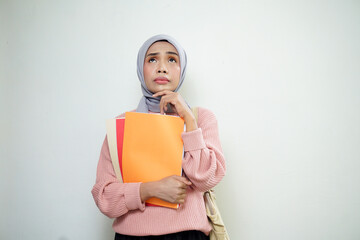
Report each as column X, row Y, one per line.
column 162, row 67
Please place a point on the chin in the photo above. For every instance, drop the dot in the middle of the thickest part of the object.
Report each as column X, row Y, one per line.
column 159, row 89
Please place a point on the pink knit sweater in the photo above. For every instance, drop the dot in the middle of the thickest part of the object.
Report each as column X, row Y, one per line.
column 204, row 166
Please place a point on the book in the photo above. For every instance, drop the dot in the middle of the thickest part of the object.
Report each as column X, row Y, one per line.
column 115, row 135
column 148, row 148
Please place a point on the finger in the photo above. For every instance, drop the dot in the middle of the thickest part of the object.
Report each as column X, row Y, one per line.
column 158, row 94
column 161, row 108
column 186, row 181
column 161, row 105
column 182, row 197
column 180, row 192
column 170, row 100
column 184, row 186
column 183, row 180
column 165, row 99
column 177, row 177
column 161, row 93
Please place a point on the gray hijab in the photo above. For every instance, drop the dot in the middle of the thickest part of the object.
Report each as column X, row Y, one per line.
column 147, row 102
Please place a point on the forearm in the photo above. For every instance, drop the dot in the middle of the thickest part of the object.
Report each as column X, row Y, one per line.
column 113, row 197
column 205, row 168
column 190, row 121
column 204, row 162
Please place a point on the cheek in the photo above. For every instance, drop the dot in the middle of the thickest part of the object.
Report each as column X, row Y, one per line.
column 147, row 75
column 147, row 72
column 176, row 72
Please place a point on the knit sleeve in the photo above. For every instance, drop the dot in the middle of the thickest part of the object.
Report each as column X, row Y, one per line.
column 112, row 197
column 204, row 162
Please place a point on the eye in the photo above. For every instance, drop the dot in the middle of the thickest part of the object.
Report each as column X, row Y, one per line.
column 172, row 60
column 151, row 60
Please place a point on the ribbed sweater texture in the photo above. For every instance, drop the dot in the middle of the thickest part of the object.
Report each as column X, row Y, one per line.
column 203, row 164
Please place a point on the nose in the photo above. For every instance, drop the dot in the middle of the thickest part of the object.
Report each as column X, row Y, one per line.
column 162, row 68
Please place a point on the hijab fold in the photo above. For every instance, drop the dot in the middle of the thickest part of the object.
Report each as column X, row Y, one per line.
column 148, row 102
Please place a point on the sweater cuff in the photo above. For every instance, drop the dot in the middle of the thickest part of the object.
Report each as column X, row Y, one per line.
column 193, row 140
column 132, row 197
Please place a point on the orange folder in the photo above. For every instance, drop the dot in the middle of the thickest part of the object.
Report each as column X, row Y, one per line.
column 152, row 149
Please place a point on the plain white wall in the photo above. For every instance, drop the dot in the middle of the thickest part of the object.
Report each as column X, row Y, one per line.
column 282, row 77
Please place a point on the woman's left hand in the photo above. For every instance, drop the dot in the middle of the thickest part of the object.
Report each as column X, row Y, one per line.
column 180, row 106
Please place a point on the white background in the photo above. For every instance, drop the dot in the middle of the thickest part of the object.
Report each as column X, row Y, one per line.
column 282, row 78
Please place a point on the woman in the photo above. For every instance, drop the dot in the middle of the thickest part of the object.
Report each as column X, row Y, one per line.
column 161, row 67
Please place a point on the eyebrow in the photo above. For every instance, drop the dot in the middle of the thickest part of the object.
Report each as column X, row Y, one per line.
column 156, row 53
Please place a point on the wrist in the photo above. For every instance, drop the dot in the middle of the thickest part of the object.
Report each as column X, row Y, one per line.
column 191, row 124
column 146, row 191
column 189, row 117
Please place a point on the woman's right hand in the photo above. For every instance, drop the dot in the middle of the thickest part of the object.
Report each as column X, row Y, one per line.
column 170, row 189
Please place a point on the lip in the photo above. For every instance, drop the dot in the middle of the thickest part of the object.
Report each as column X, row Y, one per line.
column 161, row 80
